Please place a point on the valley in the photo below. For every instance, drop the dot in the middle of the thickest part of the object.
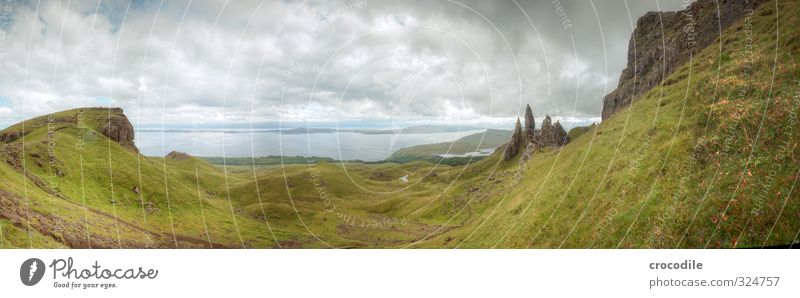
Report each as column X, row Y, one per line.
column 707, row 157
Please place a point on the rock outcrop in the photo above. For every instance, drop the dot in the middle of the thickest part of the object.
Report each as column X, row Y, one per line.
column 515, row 144
column 175, row 155
column 546, row 135
column 530, row 125
column 663, row 41
column 559, row 134
column 8, row 137
column 118, row 128
column 550, row 135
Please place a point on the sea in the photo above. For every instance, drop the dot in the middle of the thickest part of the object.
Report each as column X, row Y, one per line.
column 258, row 143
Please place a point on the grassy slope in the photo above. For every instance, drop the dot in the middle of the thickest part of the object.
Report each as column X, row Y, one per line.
column 491, row 138
column 577, row 131
column 111, row 208
column 74, row 202
column 709, row 160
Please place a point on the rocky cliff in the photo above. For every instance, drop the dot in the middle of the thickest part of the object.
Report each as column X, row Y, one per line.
column 117, row 127
column 663, row 41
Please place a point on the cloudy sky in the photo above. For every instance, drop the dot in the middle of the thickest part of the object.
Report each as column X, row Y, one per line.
column 206, row 62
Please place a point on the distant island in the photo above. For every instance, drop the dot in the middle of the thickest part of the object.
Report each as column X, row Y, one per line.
column 416, row 129
column 467, row 149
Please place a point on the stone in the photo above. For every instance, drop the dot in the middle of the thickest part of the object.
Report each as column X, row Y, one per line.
column 550, row 134
column 119, row 129
column 530, row 125
column 515, row 144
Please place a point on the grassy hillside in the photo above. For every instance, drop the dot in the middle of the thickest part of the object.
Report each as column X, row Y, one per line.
column 574, row 133
column 65, row 184
column 86, row 190
column 489, row 139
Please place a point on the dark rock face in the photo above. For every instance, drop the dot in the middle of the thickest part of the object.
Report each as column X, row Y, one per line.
column 8, row 137
column 515, row 144
column 663, row 41
column 546, row 136
column 559, row 135
column 551, row 134
column 119, row 129
column 15, row 132
column 530, row 125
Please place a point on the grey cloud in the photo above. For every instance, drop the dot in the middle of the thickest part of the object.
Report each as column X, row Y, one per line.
column 411, row 59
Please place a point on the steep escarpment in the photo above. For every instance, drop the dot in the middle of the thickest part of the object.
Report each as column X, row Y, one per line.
column 663, row 41
column 117, row 127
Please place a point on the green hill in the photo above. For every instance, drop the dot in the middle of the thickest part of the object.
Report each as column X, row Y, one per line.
column 65, row 183
column 489, row 139
column 574, row 133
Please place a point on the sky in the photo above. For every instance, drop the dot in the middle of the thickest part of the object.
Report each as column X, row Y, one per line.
column 185, row 62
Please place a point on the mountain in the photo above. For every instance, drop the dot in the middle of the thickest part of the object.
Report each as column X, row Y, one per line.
column 706, row 158
column 664, row 41
column 421, row 129
column 489, row 139
column 406, row 130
